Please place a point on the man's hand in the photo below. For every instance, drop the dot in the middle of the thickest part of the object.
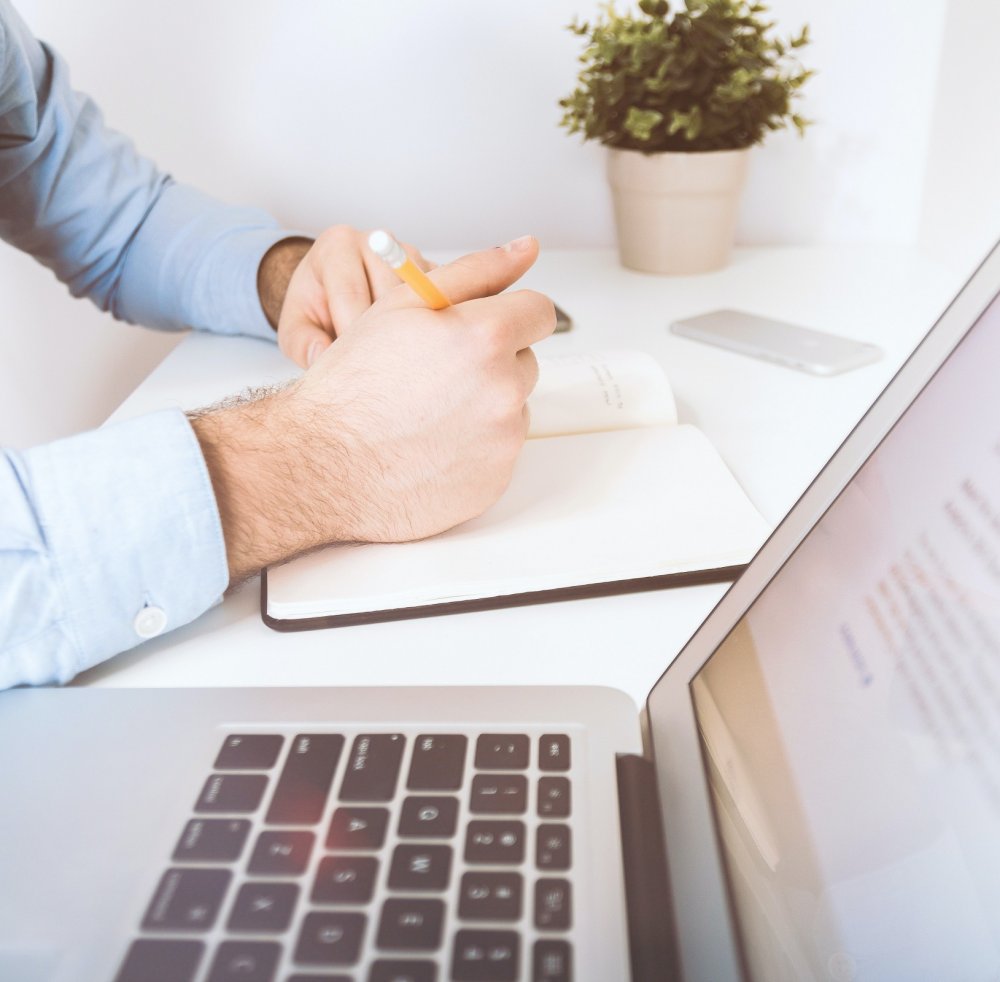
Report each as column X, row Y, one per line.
column 312, row 292
column 409, row 425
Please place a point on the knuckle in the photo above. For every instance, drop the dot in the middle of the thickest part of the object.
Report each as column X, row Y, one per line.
column 541, row 307
column 505, row 414
column 531, row 366
column 509, row 397
column 514, row 436
column 529, row 306
column 492, row 343
column 338, row 234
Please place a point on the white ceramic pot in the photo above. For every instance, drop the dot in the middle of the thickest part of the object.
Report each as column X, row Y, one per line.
column 676, row 212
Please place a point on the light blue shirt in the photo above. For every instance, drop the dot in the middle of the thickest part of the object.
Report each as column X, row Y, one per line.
column 114, row 535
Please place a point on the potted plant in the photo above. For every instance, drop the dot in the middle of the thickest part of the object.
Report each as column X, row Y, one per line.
column 679, row 98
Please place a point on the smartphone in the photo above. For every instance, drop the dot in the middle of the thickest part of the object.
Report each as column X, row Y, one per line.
column 563, row 321
column 786, row 344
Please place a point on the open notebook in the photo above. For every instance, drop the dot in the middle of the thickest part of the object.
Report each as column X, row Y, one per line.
column 610, row 495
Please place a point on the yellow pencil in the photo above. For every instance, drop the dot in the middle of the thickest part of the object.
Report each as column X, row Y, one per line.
column 388, row 249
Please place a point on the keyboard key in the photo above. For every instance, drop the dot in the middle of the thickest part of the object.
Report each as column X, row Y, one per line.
column 264, row 908
column 502, row 752
column 485, row 956
column 411, row 925
column 438, row 762
column 490, row 897
column 245, row 961
column 281, row 853
column 553, row 847
column 553, row 797
column 330, row 938
column 318, row 978
column 420, row 867
column 345, row 880
column 553, row 904
column 357, row 828
column 240, row 793
column 553, row 752
column 552, row 961
column 391, row 970
column 213, row 840
column 249, row 752
column 161, row 961
column 187, row 900
column 494, row 842
column 428, row 817
column 300, row 797
column 373, row 767
column 499, row 794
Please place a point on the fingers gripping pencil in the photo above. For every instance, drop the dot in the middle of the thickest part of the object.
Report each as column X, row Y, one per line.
column 388, row 249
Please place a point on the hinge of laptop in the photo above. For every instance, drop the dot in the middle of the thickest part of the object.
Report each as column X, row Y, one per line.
column 652, row 933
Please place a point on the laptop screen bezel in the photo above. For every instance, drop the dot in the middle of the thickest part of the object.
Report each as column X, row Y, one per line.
column 705, row 923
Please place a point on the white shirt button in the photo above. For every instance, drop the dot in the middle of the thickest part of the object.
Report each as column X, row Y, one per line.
column 149, row 622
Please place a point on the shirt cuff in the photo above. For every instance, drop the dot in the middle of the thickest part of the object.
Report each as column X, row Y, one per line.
column 236, row 297
column 132, row 531
column 193, row 263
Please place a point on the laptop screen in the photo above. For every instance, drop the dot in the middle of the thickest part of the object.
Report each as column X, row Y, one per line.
column 850, row 722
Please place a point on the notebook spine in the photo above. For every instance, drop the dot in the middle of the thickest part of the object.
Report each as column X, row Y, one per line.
column 651, row 926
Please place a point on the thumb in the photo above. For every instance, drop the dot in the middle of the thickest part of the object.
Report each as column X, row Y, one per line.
column 479, row 274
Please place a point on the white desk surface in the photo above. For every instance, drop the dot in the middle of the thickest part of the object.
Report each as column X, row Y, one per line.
column 775, row 427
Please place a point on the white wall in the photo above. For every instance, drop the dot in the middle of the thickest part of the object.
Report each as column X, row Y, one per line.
column 438, row 119
column 960, row 220
column 859, row 173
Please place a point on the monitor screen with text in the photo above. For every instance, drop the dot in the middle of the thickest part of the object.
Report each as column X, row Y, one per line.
column 850, row 723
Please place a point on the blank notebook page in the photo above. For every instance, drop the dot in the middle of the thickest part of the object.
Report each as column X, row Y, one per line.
column 589, row 508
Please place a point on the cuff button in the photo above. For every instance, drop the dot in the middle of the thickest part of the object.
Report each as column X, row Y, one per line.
column 149, row 622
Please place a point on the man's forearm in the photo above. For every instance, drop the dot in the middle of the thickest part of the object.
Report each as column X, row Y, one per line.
column 243, row 450
column 277, row 476
column 274, row 273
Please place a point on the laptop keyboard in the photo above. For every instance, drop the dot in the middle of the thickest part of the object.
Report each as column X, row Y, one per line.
column 377, row 857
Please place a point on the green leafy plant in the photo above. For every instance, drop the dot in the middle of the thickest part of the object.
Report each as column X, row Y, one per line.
column 710, row 76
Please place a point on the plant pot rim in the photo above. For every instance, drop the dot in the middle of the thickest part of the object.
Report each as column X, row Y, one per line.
column 711, row 172
column 676, row 153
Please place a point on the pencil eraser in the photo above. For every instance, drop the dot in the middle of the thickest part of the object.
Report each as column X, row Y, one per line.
column 380, row 243
column 386, row 247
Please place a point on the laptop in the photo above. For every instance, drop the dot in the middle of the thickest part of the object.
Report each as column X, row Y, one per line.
column 812, row 790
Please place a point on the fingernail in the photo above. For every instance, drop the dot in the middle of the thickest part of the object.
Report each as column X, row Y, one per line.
column 518, row 245
column 312, row 353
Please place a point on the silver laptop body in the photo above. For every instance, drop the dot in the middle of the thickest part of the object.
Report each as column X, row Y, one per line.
column 762, row 819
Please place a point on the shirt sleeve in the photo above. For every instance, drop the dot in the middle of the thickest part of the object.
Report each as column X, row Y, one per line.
column 106, row 538
column 111, row 226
